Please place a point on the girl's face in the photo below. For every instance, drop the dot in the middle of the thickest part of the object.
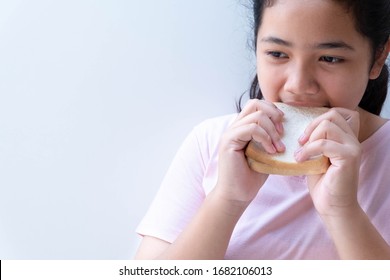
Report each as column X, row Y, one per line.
column 310, row 53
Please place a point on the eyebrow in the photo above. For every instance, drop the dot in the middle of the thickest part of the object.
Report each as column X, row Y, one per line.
column 276, row 40
column 322, row 46
column 335, row 45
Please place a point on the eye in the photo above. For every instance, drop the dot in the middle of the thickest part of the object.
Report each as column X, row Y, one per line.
column 331, row 59
column 276, row 54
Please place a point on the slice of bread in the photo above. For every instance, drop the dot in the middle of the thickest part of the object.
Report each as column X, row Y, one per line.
column 295, row 121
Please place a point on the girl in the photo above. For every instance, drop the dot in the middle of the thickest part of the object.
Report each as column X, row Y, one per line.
column 211, row 205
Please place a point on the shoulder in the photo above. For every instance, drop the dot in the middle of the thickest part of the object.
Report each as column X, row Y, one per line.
column 376, row 153
column 207, row 134
column 203, row 140
column 215, row 126
column 379, row 138
column 209, row 131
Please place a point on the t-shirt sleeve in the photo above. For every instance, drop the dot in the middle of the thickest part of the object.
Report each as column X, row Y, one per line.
column 180, row 194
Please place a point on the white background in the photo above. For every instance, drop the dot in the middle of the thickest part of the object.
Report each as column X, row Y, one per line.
column 95, row 98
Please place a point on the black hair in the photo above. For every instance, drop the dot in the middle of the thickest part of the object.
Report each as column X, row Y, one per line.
column 372, row 21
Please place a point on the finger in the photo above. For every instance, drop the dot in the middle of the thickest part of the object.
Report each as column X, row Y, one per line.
column 266, row 115
column 335, row 151
column 352, row 118
column 347, row 120
column 273, row 113
column 323, row 140
column 328, row 130
column 261, row 119
column 241, row 135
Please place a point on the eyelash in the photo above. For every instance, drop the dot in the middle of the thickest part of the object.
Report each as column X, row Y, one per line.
column 331, row 59
column 276, row 54
column 326, row 58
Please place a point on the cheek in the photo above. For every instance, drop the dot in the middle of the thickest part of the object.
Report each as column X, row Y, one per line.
column 270, row 83
column 346, row 87
column 345, row 93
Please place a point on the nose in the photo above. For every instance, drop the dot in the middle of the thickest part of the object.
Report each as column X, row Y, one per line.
column 301, row 80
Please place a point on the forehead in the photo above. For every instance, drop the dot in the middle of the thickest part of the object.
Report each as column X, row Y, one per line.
column 309, row 20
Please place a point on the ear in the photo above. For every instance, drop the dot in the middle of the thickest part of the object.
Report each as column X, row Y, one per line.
column 380, row 60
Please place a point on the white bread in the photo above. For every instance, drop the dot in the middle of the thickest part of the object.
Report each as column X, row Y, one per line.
column 295, row 121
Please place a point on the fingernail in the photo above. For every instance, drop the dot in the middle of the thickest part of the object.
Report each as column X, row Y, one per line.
column 272, row 149
column 303, row 138
column 297, row 154
column 280, row 146
column 279, row 128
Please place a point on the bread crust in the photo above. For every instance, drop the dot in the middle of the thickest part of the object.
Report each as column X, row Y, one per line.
column 261, row 161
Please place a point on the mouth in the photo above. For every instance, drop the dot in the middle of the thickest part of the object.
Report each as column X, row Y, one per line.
column 304, row 104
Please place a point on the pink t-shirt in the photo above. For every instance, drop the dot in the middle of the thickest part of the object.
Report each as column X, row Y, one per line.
column 281, row 222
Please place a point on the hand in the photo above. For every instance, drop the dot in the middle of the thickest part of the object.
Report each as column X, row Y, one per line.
column 261, row 121
column 334, row 135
